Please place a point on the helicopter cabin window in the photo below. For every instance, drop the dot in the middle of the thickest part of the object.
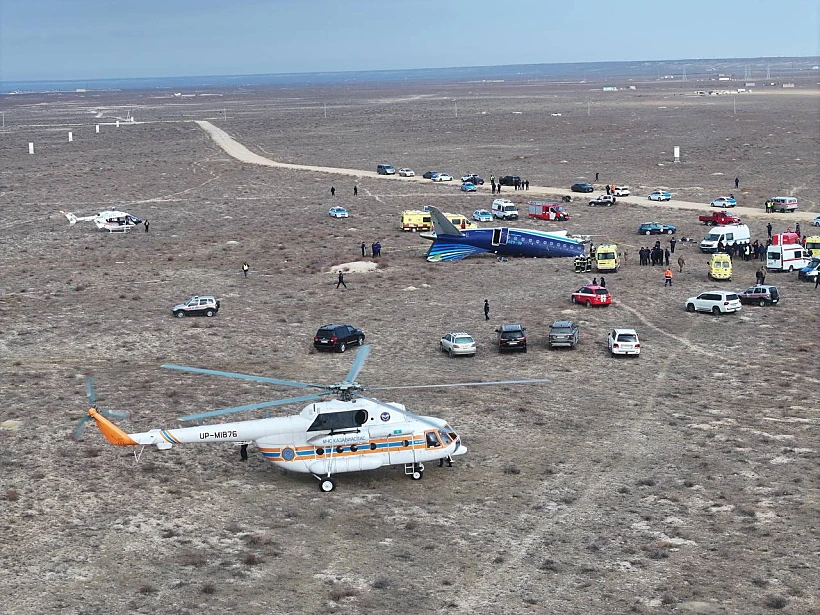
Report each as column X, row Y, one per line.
column 432, row 439
column 349, row 419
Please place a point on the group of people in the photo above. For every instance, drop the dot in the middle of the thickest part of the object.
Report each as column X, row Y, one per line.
column 744, row 251
column 375, row 249
column 520, row 184
column 655, row 255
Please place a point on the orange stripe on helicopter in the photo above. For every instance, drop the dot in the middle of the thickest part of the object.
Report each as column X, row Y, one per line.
column 112, row 433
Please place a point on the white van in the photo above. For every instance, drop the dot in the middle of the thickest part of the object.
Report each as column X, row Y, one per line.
column 729, row 235
column 786, row 258
column 504, row 209
column 784, row 204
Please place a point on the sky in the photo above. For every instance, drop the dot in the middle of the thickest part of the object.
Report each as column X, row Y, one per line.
column 105, row 39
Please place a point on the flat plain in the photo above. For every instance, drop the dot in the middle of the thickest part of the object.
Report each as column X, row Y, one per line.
column 682, row 481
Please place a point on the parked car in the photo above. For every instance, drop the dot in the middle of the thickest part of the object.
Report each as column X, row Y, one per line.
column 660, row 195
column 473, row 178
column 656, row 228
column 468, row 187
column 816, row 221
column 602, row 200
column 338, row 212
column 429, row 174
column 442, row 177
column 563, row 333
column 482, row 215
column 624, row 341
column 509, row 180
column 582, row 187
column 760, row 294
column 810, row 272
column 714, row 301
column 407, row 173
column 511, row 337
column 592, row 294
column 385, row 169
column 205, row 305
column 723, row 201
column 457, row 344
column 621, row 191
column 337, row 337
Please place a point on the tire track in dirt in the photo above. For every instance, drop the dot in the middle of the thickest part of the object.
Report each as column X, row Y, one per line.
column 637, row 452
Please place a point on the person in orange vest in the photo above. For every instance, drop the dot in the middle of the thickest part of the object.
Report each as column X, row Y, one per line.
column 667, row 276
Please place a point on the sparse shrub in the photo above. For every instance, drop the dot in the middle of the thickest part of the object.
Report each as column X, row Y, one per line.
column 775, row 601
column 209, row 588
column 498, row 559
column 658, row 553
column 192, row 558
column 759, row 582
column 746, row 511
column 549, row 564
column 646, row 482
column 511, row 469
column 624, row 489
column 147, row 588
column 171, row 393
column 170, row 258
column 411, row 525
column 92, row 451
column 688, row 483
column 251, row 559
column 233, row 528
column 531, row 601
column 324, row 514
column 169, row 533
column 381, row 583
column 667, row 600
column 338, row 594
column 569, row 498
column 12, row 495
column 122, row 296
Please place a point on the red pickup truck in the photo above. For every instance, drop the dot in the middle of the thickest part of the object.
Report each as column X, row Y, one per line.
column 719, row 218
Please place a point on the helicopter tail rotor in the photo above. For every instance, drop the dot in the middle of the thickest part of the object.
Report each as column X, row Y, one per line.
column 91, row 394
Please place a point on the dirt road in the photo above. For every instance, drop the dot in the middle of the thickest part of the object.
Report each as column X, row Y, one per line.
column 236, row 150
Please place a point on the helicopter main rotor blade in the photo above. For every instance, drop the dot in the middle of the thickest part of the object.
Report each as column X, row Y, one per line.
column 264, row 404
column 213, row 372
column 361, row 357
column 89, row 391
column 457, row 384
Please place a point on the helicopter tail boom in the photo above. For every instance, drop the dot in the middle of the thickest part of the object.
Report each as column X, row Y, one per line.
column 112, row 433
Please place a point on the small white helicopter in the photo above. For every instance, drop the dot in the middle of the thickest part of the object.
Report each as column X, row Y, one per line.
column 351, row 433
column 111, row 221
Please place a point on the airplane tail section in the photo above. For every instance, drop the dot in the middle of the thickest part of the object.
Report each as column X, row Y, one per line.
column 442, row 225
column 72, row 219
column 112, row 433
column 443, row 250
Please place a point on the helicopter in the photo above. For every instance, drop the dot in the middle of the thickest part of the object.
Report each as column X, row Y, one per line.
column 111, row 221
column 351, row 433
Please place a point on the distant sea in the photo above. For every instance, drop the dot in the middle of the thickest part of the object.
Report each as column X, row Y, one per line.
column 739, row 68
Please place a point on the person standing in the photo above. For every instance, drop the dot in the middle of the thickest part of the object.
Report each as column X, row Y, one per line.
column 796, row 229
column 603, row 282
column 762, row 274
column 486, row 310
column 672, row 243
column 595, row 281
column 245, row 268
column 333, row 191
column 596, row 177
column 364, row 249
column 666, row 255
column 243, row 452
column 341, row 280
column 667, row 277
column 737, row 183
column 769, row 229
column 757, row 277
column 145, row 224
column 449, row 461
column 816, row 281
column 681, row 262
column 355, row 191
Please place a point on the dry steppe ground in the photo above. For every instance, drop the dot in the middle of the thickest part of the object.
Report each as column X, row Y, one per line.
column 684, row 481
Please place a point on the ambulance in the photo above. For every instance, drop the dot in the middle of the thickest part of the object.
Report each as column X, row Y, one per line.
column 720, row 267
column 812, row 245
column 786, row 257
column 606, row 258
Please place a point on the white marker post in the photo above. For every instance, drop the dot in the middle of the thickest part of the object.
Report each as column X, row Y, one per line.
column 31, row 148
column 677, row 153
column 70, row 137
column 98, row 128
column 118, row 123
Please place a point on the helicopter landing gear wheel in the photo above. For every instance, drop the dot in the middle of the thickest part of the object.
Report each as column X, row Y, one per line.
column 326, row 484
column 417, row 475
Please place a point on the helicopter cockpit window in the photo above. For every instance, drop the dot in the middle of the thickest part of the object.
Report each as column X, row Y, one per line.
column 432, row 439
column 444, row 437
column 349, row 419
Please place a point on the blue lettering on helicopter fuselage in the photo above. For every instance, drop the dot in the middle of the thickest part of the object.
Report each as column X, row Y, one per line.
column 217, row 434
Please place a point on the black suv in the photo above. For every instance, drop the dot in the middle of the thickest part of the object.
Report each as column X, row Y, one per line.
column 511, row 337
column 563, row 333
column 337, row 337
column 509, row 180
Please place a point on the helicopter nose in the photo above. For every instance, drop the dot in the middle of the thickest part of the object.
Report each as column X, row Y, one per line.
column 460, row 450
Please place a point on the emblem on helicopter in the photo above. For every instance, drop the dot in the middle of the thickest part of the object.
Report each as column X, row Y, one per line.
column 325, row 438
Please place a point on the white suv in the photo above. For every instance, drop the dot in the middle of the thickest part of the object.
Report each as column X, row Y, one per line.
column 624, row 341
column 457, row 343
column 715, row 301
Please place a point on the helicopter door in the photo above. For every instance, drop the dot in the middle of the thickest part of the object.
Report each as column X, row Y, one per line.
column 401, row 449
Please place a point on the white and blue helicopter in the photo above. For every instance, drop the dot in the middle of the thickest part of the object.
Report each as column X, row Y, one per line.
column 109, row 220
column 351, row 433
